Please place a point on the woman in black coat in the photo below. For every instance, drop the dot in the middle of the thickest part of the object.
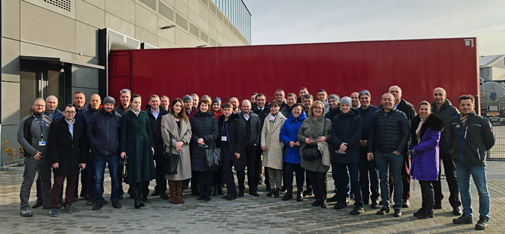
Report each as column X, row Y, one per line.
column 205, row 133
column 137, row 145
column 230, row 140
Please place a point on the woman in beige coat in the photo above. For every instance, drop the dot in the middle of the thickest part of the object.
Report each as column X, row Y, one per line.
column 272, row 146
column 176, row 124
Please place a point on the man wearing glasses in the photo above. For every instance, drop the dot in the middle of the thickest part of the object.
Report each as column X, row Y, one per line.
column 66, row 149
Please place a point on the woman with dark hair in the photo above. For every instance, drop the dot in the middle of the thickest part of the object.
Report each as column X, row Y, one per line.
column 315, row 132
column 176, row 133
column 289, row 135
column 231, row 136
column 425, row 136
column 137, row 145
column 205, row 132
column 272, row 148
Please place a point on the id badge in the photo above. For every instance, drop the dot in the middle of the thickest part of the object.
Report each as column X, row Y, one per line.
column 224, row 138
column 42, row 143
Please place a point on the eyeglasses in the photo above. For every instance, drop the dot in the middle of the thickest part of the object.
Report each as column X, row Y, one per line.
column 318, row 108
column 69, row 112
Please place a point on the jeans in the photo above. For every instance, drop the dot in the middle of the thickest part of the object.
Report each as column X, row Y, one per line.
column 479, row 178
column 99, row 162
column 405, row 178
column 300, row 175
column 58, row 188
column 31, row 166
column 343, row 186
column 369, row 176
column 450, row 176
column 390, row 162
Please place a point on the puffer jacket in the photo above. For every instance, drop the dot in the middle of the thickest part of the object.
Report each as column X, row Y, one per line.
column 234, row 138
column 255, row 124
column 289, row 132
column 446, row 112
column 203, row 125
column 346, row 127
column 103, row 132
column 471, row 140
column 332, row 113
column 389, row 132
column 425, row 164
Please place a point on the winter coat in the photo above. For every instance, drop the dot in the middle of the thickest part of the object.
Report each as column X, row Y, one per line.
column 261, row 113
column 346, row 128
column 120, row 110
column 218, row 113
column 289, row 132
column 66, row 150
column 313, row 128
column 332, row 113
column 203, row 125
column 235, row 134
column 255, row 123
column 366, row 119
column 425, row 161
column 137, row 142
column 446, row 112
column 169, row 128
column 156, row 129
column 471, row 140
column 103, row 132
column 286, row 110
column 273, row 155
column 389, row 132
column 55, row 115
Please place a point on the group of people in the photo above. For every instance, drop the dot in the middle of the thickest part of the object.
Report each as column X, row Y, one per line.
column 364, row 145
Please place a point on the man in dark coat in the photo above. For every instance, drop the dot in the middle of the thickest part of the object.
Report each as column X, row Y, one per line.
column 66, row 148
column 79, row 100
column 155, row 112
column 262, row 109
column 443, row 109
column 103, row 136
column 125, row 96
column 251, row 123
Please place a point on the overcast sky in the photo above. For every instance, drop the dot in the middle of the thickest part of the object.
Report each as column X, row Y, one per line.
column 312, row 21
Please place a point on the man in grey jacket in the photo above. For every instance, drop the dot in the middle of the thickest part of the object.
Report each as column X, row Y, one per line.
column 32, row 135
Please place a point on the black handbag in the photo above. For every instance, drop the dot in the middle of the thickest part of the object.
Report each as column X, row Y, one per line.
column 213, row 157
column 310, row 151
column 123, row 163
column 167, row 162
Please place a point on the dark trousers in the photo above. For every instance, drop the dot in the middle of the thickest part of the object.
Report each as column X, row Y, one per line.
column 335, row 173
column 161, row 183
column 318, row 184
column 343, row 186
column 300, row 175
column 57, row 190
column 252, row 177
column 369, row 176
column 90, row 179
column 206, row 180
column 258, row 165
column 228, row 173
column 427, row 193
column 452, row 181
column 218, row 176
column 405, row 178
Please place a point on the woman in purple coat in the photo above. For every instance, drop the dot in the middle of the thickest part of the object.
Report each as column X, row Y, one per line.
column 425, row 136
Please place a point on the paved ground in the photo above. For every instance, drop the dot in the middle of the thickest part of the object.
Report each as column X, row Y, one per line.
column 244, row 215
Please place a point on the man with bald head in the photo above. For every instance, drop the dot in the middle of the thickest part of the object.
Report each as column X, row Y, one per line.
column 235, row 103
column 388, row 137
column 408, row 110
column 444, row 110
column 52, row 108
column 251, row 122
column 354, row 100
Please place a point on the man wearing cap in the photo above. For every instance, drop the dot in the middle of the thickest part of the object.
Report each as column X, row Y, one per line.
column 125, row 96
column 367, row 168
column 188, row 106
column 334, row 106
column 103, row 136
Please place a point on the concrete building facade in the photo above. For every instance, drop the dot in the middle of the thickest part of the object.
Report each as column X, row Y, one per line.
column 53, row 47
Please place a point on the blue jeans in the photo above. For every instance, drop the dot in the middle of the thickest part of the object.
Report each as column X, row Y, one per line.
column 385, row 162
column 99, row 162
column 478, row 173
column 343, row 186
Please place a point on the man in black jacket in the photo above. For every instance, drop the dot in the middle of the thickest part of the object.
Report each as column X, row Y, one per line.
column 125, row 96
column 252, row 126
column 262, row 109
column 471, row 136
column 155, row 113
column 388, row 137
column 443, row 109
column 408, row 109
column 103, row 136
column 66, row 148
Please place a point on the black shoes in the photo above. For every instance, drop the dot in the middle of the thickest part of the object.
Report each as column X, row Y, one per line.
column 463, row 219
column 317, row 202
column 270, row 193
column 340, row 205
column 333, row 199
column 201, row 197
column 416, row 214
column 254, row 193
column 437, row 206
column 241, row 193
column 299, row 195
column 219, row 190
column 307, row 192
column 456, row 210
column 276, row 193
column 90, row 201
column 383, row 211
column 116, row 204
column 37, row 205
column 207, row 198
column 481, row 224
column 98, row 205
column 405, row 204
column 156, row 193
column 357, row 211
column 323, row 204
column 398, row 212
column 375, row 204
column 230, row 197
column 288, row 195
column 164, row 196
column 427, row 212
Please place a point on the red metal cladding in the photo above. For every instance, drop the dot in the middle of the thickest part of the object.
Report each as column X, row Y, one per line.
column 417, row 66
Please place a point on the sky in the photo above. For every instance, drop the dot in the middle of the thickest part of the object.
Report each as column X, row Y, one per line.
column 313, row 21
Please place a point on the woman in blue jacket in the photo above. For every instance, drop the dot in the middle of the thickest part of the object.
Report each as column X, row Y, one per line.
column 289, row 135
column 425, row 136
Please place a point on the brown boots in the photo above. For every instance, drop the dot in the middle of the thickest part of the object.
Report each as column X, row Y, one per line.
column 176, row 191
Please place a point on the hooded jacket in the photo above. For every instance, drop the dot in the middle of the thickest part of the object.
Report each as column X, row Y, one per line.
column 289, row 132
column 346, row 127
column 446, row 112
column 425, row 161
